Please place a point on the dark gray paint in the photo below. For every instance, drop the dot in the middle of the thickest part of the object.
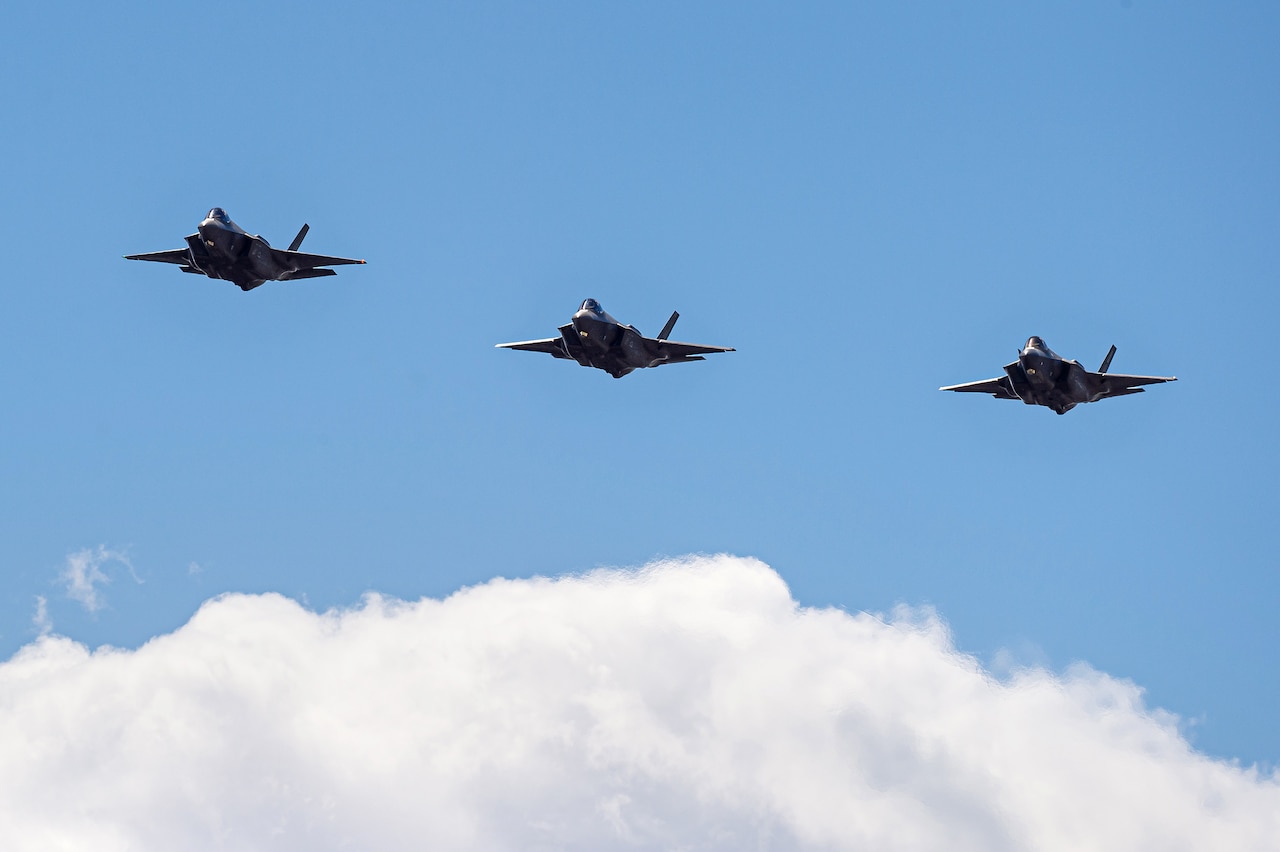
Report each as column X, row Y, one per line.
column 222, row 249
column 595, row 339
column 1041, row 376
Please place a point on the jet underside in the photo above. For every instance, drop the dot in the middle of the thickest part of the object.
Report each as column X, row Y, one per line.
column 1059, row 385
column 243, row 261
column 593, row 338
column 222, row 249
column 616, row 349
column 1042, row 377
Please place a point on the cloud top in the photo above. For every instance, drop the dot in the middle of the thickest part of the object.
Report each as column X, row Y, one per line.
column 690, row 704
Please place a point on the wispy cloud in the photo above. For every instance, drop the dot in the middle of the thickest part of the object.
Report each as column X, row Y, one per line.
column 41, row 620
column 83, row 576
column 685, row 705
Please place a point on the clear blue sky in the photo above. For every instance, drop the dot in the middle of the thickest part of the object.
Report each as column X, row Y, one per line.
column 867, row 202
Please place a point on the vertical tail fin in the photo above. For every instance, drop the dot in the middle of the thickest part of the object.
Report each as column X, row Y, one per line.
column 1106, row 362
column 671, row 323
column 297, row 241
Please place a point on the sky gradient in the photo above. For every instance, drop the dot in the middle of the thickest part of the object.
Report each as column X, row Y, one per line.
column 867, row 202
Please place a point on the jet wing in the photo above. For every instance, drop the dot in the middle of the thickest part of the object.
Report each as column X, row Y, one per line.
column 1000, row 388
column 179, row 256
column 552, row 346
column 567, row 345
column 1118, row 384
column 302, row 260
column 675, row 352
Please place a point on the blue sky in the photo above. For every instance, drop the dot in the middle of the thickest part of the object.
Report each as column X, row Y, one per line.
column 867, row 202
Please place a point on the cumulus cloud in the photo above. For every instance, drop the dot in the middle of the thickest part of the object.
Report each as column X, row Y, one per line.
column 82, row 575
column 687, row 705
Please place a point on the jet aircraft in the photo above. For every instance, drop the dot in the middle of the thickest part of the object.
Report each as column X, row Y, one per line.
column 1041, row 376
column 595, row 339
column 222, row 249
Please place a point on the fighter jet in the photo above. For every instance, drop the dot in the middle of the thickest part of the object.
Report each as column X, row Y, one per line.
column 222, row 249
column 595, row 339
column 1041, row 376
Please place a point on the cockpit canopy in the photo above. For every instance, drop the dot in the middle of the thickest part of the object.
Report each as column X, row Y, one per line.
column 591, row 305
column 220, row 215
column 1036, row 343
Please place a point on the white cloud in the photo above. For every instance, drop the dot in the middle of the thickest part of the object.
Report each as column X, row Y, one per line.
column 83, row 574
column 689, row 705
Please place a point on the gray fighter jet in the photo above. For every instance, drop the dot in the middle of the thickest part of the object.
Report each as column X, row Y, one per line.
column 1041, row 376
column 222, row 249
column 595, row 339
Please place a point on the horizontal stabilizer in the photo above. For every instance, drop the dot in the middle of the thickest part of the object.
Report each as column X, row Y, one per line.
column 671, row 323
column 297, row 241
column 306, row 273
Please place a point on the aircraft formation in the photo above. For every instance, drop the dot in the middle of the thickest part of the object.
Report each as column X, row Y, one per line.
column 222, row 249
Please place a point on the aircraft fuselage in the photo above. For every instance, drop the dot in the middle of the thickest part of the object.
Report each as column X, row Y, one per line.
column 610, row 345
column 1041, row 376
column 595, row 339
column 224, row 250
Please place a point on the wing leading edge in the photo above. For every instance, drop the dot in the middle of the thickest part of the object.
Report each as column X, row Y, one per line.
column 552, row 346
column 676, row 352
column 179, row 256
column 1118, row 384
column 566, row 345
column 1000, row 388
column 302, row 260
